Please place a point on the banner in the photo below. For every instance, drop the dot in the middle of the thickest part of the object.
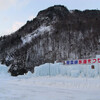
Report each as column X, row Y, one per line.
column 82, row 61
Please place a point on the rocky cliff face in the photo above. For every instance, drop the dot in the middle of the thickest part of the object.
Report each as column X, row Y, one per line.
column 55, row 34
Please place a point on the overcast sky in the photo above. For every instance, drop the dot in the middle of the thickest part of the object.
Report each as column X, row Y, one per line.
column 15, row 13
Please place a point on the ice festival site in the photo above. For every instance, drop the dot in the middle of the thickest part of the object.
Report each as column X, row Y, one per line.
column 58, row 81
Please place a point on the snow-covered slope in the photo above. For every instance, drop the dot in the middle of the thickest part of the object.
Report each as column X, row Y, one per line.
column 40, row 31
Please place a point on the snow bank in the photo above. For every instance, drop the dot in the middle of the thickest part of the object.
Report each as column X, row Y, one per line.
column 75, row 70
column 4, row 71
column 49, row 69
column 56, row 69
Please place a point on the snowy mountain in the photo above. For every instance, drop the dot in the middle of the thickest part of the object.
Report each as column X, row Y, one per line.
column 55, row 34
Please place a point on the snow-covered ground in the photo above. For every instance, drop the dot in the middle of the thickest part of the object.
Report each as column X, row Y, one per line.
column 30, row 87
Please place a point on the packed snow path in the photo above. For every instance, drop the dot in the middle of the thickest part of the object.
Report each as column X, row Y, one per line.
column 49, row 88
column 28, row 87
